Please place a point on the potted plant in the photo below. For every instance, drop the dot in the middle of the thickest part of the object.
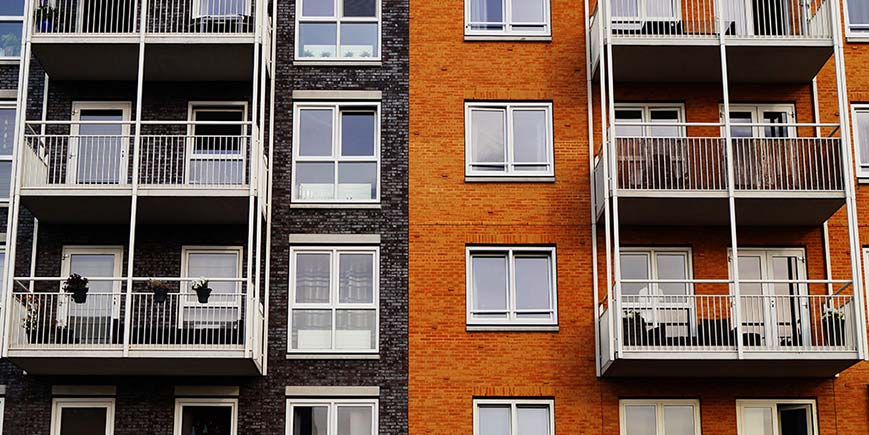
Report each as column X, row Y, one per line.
column 833, row 322
column 78, row 286
column 203, row 292
column 45, row 12
column 634, row 328
column 160, row 290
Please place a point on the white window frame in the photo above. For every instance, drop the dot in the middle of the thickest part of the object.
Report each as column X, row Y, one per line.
column 514, row 404
column 333, row 405
column 508, row 23
column 757, row 116
column 511, row 311
column 8, row 104
column 647, row 109
column 334, row 305
column 742, row 404
column 2, row 412
column 194, row 107
column 862, row 167
column 659, row 412
column 856, row 32
column 73, row 152
column 14, row 19
column 196, row 10
column 215, row 402
column 636, row 23
column 185, row 287
column 337, row 108
column 63, row 304
column 57, row 406
column 507, row 108
column 338, row 18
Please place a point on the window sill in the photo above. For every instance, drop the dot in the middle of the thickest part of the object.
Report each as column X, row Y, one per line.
column 10, row 61
column 344, row 63
column 508, row 179
column 511, row 328
column 368, row 356
column 857, row 37
column 508, row 38
column 336, row 205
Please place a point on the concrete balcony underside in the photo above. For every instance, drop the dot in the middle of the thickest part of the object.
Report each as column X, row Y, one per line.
column 161, row 363
column 726, row 364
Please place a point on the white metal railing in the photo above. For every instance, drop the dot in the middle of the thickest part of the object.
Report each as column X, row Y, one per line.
column 112, row 319
column 171, row 155
column 94, row 17
column 767, row 19
column 789, row 164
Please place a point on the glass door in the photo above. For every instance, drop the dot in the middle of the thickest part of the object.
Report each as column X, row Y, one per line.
column 99, row 144
column 91, row 321
column 764, row 417
column 217, row 153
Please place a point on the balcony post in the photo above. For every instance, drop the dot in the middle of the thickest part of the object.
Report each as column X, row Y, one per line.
column 731, row 182
column 592, row 194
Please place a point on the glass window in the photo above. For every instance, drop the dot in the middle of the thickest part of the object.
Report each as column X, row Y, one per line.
column 645, row 120
column 222, row 8
column 223, row 309
column 332, row 417
column 497, row 417
column 507, row 17
column 337, row 150
column 858, row 15
column 509, row 139
column 11, row 26
column 344, row 30
column 660, row 417
column 766, row 417
column 206, row 416
column 219, row 150
column 333, row 300
column 654, row 264
column 861, row 137
column 509, row 286
column 73, row 416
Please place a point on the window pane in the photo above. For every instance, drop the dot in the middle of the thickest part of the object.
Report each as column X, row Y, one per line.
column 83, row 421
column 528, row 11
column 357, row 181
column 625, row 8
column 490, row 283
column 861, row 128
column 357, row 134
column 359, row 40
column 360, row 8
column 635, row 266
column 640, row 420
column 494, row 419
column 757, row 421
column 858, row 11
column 533, row 420
column 678, row 420
column 312, row 329
column 355, row 329
column 354, row 420
column 629, row 115
column 12, row 8
column 223, row 7
column 665, row 116
column 215, row 265
column 315, row 132
column 317, row 40
column 7, row 130
column 213, row 420
column 318, row 8
column 487, row 11
column 310, row 420
column 672, row 266
column 356, row 280
column 315, row 181
column 530, row 139
column 741, row 118
column 5, row 179
column 533, row 286
column 312, row 278
column 487, row 137
column 10, row 39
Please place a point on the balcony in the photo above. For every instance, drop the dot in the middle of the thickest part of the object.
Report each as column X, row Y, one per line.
column 780, row 334
column 116, row 331
column 82, row 172
column 99, row 39
column 780, row 41
column 683, row 180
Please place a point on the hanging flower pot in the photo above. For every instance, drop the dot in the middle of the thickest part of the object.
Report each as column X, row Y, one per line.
column 77, row 285
column 160, row 290
column 203, row 292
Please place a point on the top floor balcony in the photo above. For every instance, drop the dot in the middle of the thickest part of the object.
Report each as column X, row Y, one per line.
column 772, row 41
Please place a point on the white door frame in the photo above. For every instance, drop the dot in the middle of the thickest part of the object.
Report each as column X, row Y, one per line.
column 73, row 151
column 185, row 285
column 773, row 406
column 70, row 250
column 57, row 406
column 214, row 106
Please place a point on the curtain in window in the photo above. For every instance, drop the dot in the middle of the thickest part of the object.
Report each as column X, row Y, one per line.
column 7, row 130
column 858, row 12
column 312, row 278
column 487, row 11
column 862, row 129
column 356, row 282
column 529, row 137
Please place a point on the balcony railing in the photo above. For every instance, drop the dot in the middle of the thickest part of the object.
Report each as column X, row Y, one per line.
column 694, row 19
column 110, row 319
column 172, row 155
column 113, row 17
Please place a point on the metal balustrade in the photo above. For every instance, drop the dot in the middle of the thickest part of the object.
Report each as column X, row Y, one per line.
column 113, row 17
column 110, row 319
column 171, row 155
column 695, row 19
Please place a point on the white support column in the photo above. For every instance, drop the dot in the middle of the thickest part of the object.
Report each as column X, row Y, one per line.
column 15, row 187
column 265, row 295
column 134, row 199
column 603, row 42
column 848, row 168
column 731, row 182
column 594, row 272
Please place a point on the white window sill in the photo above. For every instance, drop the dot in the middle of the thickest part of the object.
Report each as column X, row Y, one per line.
column 508, row 179
column 10, row 61
column 511, row 38
column 512, row 328
column 863, row 179
column 335, row 205
column 365, row 63
column 370, row 356
column 857, row 37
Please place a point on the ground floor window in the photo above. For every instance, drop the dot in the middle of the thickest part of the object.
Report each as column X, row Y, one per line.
column 332, row 416
column 206, row 416
column 83, row 416
column 513, row 417
column 659, row 417
column 776, row 417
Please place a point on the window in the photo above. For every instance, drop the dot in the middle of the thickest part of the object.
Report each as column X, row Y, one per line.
column 765, row 114
column 660, row 417
column 332, row 417
column 513, row 417
column 206, row 416
column 98, row 155
column 221, row 8
column 11, row 26
column 857, row 12
column 345, row 30
column 223, row 309
column 511, row 286
column 507, row 17
column 860, row 117
column 92, row 322
column 217, row 153
column 336, row 153
column 765, row 417
column 334, row 299
column 91, row 416
column 648, row 115
column 662, row 306
column 509, row 139
column 7, row 144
